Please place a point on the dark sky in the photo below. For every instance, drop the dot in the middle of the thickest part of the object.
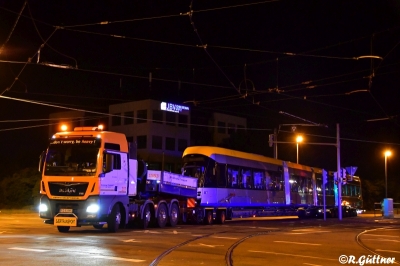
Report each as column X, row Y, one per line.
column 300, row 57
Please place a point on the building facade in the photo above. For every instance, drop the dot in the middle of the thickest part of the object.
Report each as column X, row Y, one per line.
column 159, row 130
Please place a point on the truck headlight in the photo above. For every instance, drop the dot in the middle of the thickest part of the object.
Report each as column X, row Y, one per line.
column 93, row 208
column 43, row 207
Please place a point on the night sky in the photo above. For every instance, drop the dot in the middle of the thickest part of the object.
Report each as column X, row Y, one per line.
column 254, row 59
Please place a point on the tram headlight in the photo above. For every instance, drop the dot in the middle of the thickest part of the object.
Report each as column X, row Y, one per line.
column 93, row 208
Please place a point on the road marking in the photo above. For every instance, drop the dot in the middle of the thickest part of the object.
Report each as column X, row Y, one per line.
column 311, row 232
column 151, row 232
column 115, row 258
column 30, row 249
column 210, row 246
column 266, row 228
column 293, row 255
column 224, row 237
column 130, row 240
column 379, row 235
column 298, row 243
column 384, row 250
column 381, row 239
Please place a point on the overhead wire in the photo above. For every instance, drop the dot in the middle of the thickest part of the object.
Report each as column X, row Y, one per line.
column 12, row 30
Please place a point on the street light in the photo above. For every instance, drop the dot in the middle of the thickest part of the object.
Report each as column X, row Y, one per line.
column 387, row 154
column 298, row 140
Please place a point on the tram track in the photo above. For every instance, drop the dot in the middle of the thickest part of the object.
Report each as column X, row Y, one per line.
column 228, row 255
column 364, row 246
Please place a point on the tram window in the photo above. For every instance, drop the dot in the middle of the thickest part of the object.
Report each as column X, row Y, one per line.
column 309, row 185
column 221, row 175
column 247, row 178
column 233, row 176
column 274, row 181
column 294, row 183
column 259, row 179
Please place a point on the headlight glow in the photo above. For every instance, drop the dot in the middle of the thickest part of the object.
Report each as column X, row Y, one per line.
column 43, row 207
column 93, row 208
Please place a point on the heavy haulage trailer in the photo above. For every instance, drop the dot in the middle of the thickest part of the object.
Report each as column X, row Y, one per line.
column 90, row 178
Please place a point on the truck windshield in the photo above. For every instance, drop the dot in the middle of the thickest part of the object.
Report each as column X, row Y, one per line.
column 72, row 157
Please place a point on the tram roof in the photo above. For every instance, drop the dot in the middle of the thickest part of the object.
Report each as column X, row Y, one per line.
column 215, row 152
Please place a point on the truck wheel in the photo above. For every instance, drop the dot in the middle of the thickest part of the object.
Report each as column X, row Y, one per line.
column 173, row 219
column 114, row 219
column 221, row 217
column 98, row 226
column 209, row 218
column 162, row 216
column 147, row 217
column 63, row 229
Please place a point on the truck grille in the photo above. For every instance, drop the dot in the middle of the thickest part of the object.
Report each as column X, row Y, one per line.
column 68, row 189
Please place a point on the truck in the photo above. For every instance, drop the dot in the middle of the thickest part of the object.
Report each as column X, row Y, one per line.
column 90, row 177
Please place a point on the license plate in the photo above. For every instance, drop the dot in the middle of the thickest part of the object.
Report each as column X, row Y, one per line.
column 65, row 221
column 66, row 210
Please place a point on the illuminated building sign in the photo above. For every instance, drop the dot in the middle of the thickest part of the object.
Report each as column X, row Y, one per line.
column 170, row 107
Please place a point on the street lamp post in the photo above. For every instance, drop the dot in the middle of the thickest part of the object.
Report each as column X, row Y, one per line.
column 298, row 140
column 387, row 154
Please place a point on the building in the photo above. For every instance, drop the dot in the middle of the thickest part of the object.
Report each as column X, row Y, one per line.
column 161, row 131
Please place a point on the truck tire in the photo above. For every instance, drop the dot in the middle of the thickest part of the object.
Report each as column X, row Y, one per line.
column 221, row 216
column 98, row 226
column 146, row 217
column 162, row 216
column 174, row 217
column 63, row 229
column 208, row 220
column 114, row 219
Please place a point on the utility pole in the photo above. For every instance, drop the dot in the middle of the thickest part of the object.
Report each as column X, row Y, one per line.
column 339, row 173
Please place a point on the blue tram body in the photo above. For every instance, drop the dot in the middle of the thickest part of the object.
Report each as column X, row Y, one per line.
column 244, row 184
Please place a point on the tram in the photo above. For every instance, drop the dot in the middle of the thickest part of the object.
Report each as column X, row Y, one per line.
column 244, row 184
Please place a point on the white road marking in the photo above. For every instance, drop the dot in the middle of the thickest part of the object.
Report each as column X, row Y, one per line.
column 210, row 246
column 293, row 255
column 30, row 249
column 384, row 250
column 310, row 232
column 115, row 258
column 266, row 228
column 224, row 237
column 378, row 235
column 130, row 240
column 381, row 239
column 298, row 243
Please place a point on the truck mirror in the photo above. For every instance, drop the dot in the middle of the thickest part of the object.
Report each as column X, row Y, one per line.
column 41, row 160
column 108, row 162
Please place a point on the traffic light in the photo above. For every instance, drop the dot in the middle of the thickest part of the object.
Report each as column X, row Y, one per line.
column 271, row 140
column 335, row 178
column 344, row 178
column 324, row 177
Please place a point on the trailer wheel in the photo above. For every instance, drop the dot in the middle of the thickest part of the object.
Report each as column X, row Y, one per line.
column 221, row 217
column 98, row 226
column 114, row 219
column 146, row 217
column 162, row 216
column 63, row 229
column 173, row 218
column 209, row 218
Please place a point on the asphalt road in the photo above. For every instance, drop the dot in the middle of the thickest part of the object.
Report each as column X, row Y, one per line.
column 25, row 240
